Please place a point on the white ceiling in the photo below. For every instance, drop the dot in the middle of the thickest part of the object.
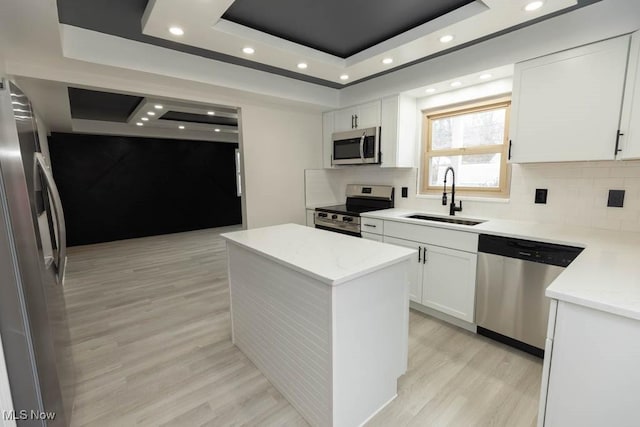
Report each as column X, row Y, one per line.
column 51, row 100
column 204, row 28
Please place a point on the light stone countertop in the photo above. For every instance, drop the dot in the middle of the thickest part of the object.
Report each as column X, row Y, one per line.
column 327, row 256
column 605, row 276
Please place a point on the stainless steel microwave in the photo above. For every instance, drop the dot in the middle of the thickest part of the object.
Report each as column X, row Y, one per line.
column 356, row 147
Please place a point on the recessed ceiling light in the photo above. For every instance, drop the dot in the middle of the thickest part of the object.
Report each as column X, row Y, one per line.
column 151, row 113
column 216, row 130
column 176, row 31
column 430, row 90
column 145, row 119
column 302, row 65
column 344, row 77
column 158, row 107
column 456, row 84
column 446, row 39
column 211, row 113
column 534, row 5
column 387, row 61
column 249, row 50
column 139, row 124
column 180, row 127
column 485, row 76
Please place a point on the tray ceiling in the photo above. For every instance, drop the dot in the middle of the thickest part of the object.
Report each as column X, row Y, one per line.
column 331, row 42
column 338, row 27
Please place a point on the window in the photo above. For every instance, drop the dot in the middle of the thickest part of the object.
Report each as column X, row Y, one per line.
column 472, row 139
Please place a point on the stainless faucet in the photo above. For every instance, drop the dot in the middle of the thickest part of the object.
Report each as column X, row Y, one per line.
column 452, row 208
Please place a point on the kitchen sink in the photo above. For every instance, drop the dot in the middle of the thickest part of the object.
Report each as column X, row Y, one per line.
column 450, row 220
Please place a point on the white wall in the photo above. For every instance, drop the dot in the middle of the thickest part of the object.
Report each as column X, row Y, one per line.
column 280, row 139
column 577, row 191
column 577, row 195
column 278, row 145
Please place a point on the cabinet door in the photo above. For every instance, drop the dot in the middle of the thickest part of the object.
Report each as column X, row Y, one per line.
column 368, row 115
column 345, row 119
column 327, row 142
column 398, row 131
column 630, row 126
column 371, row 236
column 415, row 271
column 449, row 282
column 594, row 375
column 310, row 213
column 566, row 106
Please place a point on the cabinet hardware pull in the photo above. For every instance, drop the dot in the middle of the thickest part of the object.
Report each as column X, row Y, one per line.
column 509, row 156
column 424, row 258
column 352, row 122
column 369, row 225
column 356, row 121
column 419, row 253
column 618, row 149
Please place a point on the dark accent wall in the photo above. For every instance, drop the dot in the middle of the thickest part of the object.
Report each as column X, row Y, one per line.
column 116, row 187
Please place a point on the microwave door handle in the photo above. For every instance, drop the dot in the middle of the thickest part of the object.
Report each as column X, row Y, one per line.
column 61, row 258
column 362, row 146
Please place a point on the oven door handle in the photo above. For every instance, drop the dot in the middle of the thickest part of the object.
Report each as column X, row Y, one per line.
column 362, row 145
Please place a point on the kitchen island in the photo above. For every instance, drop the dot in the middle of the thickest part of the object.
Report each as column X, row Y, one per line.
column 324, row 316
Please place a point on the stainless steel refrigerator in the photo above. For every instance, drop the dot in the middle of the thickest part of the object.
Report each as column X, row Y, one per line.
column 33, row 321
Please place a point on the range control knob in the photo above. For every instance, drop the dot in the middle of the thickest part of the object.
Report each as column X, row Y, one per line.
column 322, row 215
column 334, row 216
column 347, row 219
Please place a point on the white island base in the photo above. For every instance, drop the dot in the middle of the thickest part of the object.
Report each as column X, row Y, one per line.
column 323, row 316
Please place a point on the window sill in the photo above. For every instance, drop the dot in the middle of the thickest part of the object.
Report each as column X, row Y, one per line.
column 466, row 198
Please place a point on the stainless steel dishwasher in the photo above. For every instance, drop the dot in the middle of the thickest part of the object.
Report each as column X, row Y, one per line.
column 512, row 277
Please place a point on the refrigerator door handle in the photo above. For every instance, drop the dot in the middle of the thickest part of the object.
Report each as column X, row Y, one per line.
column 60, row 259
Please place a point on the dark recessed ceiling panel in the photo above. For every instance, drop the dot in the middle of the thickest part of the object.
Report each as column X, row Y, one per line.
column 94, row 105
column 199, row 118
column 338, row 27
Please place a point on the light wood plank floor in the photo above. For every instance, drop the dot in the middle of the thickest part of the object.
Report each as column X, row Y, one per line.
column 151, row 341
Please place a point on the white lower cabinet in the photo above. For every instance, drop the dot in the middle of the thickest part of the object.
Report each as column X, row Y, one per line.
column 310, row 213
column 591, row 375
column 449, row 281
column 372, row 236
column 416, row 267
column 441, row 278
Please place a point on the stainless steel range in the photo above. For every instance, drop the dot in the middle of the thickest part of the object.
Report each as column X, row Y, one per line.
column 360, row 198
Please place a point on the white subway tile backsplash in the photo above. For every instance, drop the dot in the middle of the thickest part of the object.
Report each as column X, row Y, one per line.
column 577, row 195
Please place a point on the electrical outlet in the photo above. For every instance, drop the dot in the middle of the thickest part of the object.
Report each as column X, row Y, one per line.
column 616, row 199
column 405, row 192
column 541, row 195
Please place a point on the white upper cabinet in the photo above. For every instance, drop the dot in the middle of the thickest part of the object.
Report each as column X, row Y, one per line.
column 630, row 125
column 327, row 143
column 567, row 106
column 357, row 117
column 397, row 117
column 398, row 137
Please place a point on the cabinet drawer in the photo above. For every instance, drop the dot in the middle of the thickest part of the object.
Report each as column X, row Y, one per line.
column 371, row 225
column 437, row 236
column 371, row 236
